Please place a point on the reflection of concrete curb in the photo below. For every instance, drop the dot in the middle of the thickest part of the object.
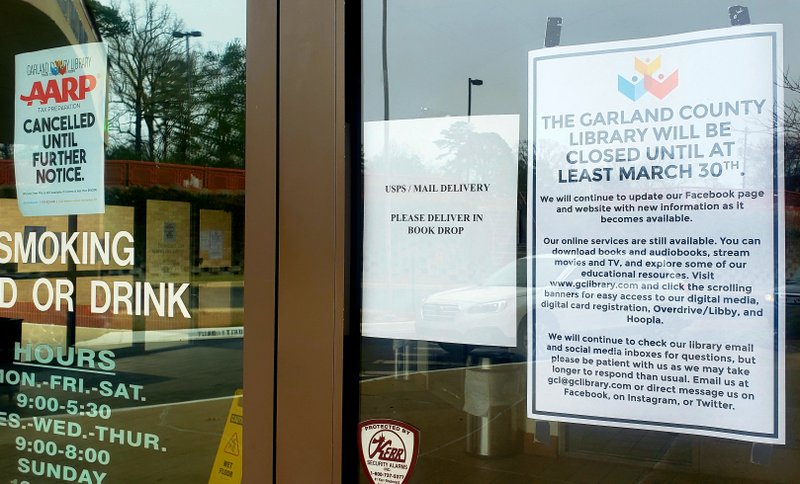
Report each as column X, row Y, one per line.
column 169, row 336
column 54, row 335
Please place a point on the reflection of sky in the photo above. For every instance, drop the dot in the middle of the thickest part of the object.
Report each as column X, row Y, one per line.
column 434, row 47
column 423, row 136
column 220, row 21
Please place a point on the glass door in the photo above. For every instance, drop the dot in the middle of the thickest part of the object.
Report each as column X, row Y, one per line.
column 122, row 196
column 576, row 235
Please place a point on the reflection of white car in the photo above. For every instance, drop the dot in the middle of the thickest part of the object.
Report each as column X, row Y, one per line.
column 491, row 313
column 494, row 312
column 792, row 295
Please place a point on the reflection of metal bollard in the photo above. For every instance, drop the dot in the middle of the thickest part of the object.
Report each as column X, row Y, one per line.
column 494, row 385
column 402, row 360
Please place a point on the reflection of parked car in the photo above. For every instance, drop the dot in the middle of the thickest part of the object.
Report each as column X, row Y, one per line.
column 492, row 312
column 792, row 295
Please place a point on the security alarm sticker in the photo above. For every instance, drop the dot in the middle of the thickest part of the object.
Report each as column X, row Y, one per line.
column 389, row 450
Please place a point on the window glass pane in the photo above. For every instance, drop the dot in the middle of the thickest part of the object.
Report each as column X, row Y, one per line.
column 122, row 240
column 536, row 346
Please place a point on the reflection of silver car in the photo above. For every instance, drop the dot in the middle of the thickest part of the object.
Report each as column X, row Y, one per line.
column 496, row 309
column 490, row 313
column 792, row 295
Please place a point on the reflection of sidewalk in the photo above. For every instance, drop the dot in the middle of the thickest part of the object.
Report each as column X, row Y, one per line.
column 198, row 371
column 190, row 433
column 106, row 338
column 436, row 411
column 433, row 402
column 187, row 391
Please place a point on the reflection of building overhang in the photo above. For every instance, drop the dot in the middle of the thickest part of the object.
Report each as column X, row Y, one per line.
column 30, row 25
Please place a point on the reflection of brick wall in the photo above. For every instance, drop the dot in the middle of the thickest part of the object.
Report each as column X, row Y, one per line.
column 126, row 173
column 13, row 221
column 168, row 259
column 215, row 238
column 115, row 219
column 220, row 304
column 86, row 319
column 792, row 199
column 168, row 256
column 168, row 241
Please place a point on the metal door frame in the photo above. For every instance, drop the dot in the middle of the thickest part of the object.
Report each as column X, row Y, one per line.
column 296, row 234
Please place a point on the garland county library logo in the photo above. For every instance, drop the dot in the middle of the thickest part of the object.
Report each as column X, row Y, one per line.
column 58, row 67
column 637, row 86
column 389, row 450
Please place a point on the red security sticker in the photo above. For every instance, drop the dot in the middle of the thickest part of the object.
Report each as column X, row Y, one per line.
column 389, row 450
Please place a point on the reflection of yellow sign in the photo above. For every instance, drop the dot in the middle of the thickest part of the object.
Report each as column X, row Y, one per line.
column 228, row 463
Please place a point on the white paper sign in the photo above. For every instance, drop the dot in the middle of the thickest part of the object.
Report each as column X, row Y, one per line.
column 212, row 242
column 60, row 100
column 657, row 215
column 440, row 233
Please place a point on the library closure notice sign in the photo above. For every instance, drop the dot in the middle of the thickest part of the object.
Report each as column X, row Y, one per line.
column 657, row 239
column 60, row 100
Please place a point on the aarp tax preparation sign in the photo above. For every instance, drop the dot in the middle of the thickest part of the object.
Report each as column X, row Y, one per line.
column 59, row 119
column 684, row 119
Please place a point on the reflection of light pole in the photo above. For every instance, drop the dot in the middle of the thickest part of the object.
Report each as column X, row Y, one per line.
column 384, row 42
column 185, row 35
column 472, row 82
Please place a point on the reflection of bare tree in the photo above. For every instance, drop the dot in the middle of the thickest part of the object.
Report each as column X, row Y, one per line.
column 398, row 166
column 791, row 123
column 397, row 162
column 524, row 163
column 474, row 156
